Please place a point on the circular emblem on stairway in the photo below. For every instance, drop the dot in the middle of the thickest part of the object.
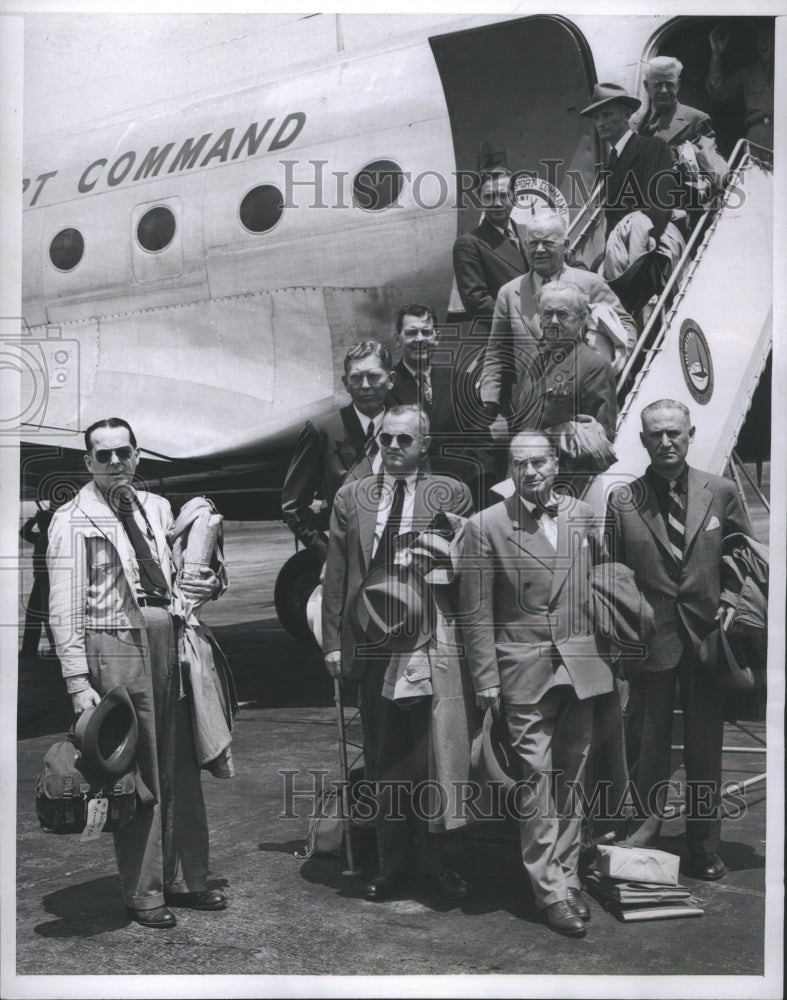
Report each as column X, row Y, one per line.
column 695, row 361
column 533, row 195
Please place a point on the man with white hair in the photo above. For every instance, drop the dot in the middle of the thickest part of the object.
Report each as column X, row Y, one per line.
column 516, row 330
column 665, row 117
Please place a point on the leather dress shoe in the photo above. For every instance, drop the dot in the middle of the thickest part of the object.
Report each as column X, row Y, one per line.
column 384, row 885
column 579, row 903
column 563, row 918
column 160, row 917
column 208, row 899
column 451, row 885
column 708, row 867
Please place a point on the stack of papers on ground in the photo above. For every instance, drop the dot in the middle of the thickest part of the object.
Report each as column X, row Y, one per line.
column 629, row 900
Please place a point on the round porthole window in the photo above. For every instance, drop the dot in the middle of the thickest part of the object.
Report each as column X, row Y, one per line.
column 156, row 229
column 66, row 249
column 262, row 208
column 378, row 185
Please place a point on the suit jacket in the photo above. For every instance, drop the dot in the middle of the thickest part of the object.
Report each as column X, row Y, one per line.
column 484, row 260
column 525, row 608
column 684, row 598
column 516, row 330
column 350, row 544
column 452, row 451
column 93, row 571
column 684, row 125
column 579, row 381
column 642, row 180
column 325, row 452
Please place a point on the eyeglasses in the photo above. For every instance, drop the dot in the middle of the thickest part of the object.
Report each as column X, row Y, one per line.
column 402, row 440
column 104, row 455
column 548, row 245
column 373, row 378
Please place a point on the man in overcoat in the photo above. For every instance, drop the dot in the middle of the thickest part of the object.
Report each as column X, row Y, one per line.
column 368, row 517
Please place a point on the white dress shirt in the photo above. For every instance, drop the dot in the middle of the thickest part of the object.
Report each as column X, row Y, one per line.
column 386, row 500
column 546, row 523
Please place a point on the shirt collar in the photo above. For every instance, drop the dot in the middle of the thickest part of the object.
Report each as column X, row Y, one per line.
column 552, row 501
column 389, row 481
column 364, row 420
column 538, row 281
column 621, row 143
column 417, row 372
column 662, row 484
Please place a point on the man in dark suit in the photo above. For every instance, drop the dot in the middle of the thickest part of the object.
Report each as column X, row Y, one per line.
column 453, row 450
column 490, row 255
column 367, row 515
column 531, row 648
column 639, row 177
column 328, row 449
column 668, row 527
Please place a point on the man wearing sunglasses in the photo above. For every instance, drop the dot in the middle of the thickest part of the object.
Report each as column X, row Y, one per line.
column 110, row 595
column 368, row 517
column 328, row 449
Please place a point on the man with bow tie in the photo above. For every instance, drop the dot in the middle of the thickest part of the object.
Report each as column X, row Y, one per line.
column 533, row 655
column 668, row 527
column 110, row 611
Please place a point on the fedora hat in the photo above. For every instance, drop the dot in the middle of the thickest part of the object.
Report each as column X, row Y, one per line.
column 106, row 736
column 731, row 658
column 394, row 609
column 492, row 758
column 606, row 93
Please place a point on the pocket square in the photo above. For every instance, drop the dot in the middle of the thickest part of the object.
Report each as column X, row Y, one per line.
column 713, row 523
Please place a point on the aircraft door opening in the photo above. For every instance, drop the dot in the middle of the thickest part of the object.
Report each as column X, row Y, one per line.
column 533, row 76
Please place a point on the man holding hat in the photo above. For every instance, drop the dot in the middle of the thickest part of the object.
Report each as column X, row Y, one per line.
column 369, row 516
column 525, row 617
column 111, row 592
column 668, row 527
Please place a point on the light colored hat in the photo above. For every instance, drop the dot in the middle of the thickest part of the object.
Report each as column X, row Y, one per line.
column 492, row 758
column 606, row 93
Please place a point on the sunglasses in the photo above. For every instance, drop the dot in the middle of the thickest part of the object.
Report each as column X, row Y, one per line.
column 402, row 440
column 373, row 378
column 104, row 455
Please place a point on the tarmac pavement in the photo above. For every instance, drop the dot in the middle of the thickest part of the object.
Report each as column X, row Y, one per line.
column 294, row 917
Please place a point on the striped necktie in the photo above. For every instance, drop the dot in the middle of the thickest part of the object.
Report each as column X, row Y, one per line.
column 425, row 382
column 370, row 446
column 676, row 519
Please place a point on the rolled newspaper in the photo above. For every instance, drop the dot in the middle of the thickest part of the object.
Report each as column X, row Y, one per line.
column 201, row 543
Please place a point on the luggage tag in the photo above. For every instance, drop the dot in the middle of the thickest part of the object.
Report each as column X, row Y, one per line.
column 97, row 810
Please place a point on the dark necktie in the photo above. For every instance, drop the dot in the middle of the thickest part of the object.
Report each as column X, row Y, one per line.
column 612, row 162
column 676, row 520
column 550, row 510
column 384, row 556
column 650, row 126
column 370, row 446
column 151, row 576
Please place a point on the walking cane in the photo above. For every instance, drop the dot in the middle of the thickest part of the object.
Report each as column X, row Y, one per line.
column 345, row 776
